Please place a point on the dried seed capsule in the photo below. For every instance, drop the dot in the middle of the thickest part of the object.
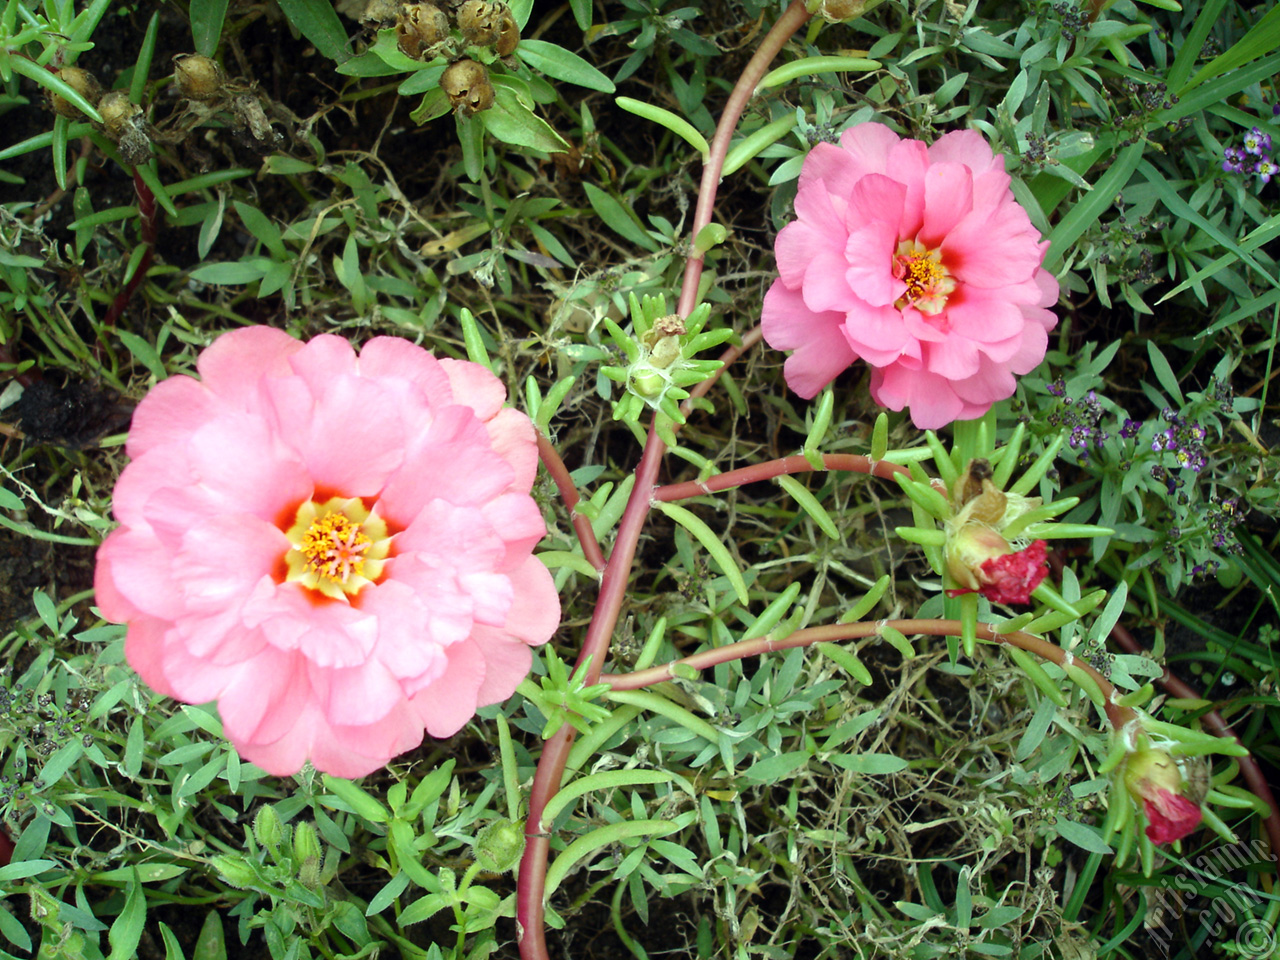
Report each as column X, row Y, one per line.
column 82, row 82
column 480, row 22
column 466, row 83
column 381, row 12
column 197, row 77
column 117, row 113
column 420, row 26
column 508, row 33
column 124, row 123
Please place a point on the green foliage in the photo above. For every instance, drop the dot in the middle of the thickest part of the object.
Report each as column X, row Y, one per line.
column 868, row 798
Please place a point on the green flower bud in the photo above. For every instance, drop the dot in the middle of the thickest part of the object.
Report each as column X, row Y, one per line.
column 499, row 846
column 266, row 827
column 236, row 871
column 306, row 844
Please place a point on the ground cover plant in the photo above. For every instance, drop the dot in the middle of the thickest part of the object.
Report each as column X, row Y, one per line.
column 623, row 479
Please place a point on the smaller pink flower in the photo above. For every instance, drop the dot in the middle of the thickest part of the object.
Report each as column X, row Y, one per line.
column 918, row 260
column 1154, row 779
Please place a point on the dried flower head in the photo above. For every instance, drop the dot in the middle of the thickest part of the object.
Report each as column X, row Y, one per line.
column 466, row 83
column 419, row 27
column 82, row 82
column 197, row 77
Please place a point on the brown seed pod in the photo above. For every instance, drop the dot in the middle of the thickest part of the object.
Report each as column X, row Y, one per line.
column 420, row 26
column 197, row 77
column 480, row 22
column 466, row 83
column 508, row 33
column 118, row 111
column 124, row 123
column 82, row 82
column 380, row 12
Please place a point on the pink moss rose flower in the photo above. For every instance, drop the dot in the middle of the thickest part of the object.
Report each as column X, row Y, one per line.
column 918, row 260
column 337, row 549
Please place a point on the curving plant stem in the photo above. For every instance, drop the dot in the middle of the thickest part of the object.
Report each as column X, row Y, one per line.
column 1117, row 715
column 150, row 231
column 531, row 885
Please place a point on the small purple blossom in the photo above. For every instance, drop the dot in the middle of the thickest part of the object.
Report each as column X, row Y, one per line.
column 1130, row 428
column 1233, row 161
column 1257, row 142
column 1265, row 169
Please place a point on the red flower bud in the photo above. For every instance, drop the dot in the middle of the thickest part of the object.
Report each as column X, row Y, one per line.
column 1154, row 779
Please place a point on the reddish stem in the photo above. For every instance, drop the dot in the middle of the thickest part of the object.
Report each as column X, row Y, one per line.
column 1117, row 715
column 775, row 468
column 150, row 230
column 569, row 494
column 1249, row 769
column 530, row 909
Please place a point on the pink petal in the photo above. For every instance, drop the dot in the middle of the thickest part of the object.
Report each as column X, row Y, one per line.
column 932, row 402
column 170, row 413
column 240, row 460
column 967, row 147
column 507, row 662
column 475, row 387
column 232, row 366
column 948, row 193
column 144, row 647
column 113, row 604
column 142, row 571
column 519, row 521
column 445, row 707
column 361, row 695
column 391, row 358
column 534, row 616
column 877, row 334
column 799, row 244
column 455, row 538
column 515, row 440
column 454, row 463
column 822, row 352
column 867, row 147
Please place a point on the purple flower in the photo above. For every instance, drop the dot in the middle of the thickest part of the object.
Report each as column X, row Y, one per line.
column 1265, row 169
column 1234, row 160
column 1130, row 428
column 1257, row 142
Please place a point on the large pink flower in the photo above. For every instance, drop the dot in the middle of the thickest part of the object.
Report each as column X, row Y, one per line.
column 337, row 549
column 918, row 260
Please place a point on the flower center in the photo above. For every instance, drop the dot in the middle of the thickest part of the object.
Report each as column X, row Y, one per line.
column 339, row 546
column 928, row 281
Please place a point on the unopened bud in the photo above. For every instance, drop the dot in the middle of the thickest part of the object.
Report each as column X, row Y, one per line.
column 235, row 871
column 420, row 26
column 82, row 82
column 466, row 83
column 197, row 77
column 306, row 844
column 499, row 845
column 266, row 827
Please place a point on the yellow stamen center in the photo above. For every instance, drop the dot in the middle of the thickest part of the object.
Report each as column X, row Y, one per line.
column 929, row 283
column 338, row 547
column 332, row 548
